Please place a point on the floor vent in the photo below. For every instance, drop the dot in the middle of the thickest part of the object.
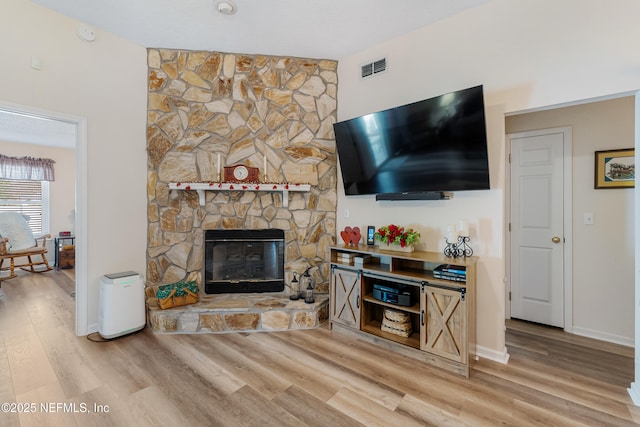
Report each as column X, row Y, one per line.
column 374, row 67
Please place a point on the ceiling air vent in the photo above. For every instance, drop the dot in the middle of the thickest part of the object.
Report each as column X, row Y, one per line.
column 374, row 67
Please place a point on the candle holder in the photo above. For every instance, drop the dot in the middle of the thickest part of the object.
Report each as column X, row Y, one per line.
column 450, row 249
column 306, row 287
column 295, row 288
column 463, row 249
column 308, row 295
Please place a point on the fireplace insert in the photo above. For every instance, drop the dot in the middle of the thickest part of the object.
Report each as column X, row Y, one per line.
column 244, row 261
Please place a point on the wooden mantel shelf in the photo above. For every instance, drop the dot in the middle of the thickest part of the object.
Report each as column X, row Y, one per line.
column 201, row 187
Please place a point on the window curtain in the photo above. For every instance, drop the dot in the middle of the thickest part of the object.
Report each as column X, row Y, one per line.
column 26, row 168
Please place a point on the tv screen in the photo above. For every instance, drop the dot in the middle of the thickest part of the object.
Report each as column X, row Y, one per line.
column 435, row 145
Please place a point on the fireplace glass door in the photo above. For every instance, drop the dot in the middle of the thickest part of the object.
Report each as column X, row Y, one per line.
column 244, row 261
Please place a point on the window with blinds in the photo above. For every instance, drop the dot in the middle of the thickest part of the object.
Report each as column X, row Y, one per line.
column 29, row 198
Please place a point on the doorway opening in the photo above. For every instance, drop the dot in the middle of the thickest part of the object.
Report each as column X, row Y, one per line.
column 26, row 124
column 601, row 222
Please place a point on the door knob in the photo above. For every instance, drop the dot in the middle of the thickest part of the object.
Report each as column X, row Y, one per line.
column 555, row 239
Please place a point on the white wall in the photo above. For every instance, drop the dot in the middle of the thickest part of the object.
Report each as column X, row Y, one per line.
column 527, row 54
column 634, row 389
column 104, row 82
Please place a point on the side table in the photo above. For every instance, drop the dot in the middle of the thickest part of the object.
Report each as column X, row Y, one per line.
column 65, row 251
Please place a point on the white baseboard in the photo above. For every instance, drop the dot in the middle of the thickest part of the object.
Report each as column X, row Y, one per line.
column 634, row 392
column 496, row 356
column 604, row 336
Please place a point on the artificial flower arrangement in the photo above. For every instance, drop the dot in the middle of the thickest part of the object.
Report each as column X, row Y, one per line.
column 393, row 235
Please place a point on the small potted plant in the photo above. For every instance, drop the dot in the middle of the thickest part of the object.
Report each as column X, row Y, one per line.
column 395, row 238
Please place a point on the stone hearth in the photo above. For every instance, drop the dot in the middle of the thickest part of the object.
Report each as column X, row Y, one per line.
column 223, row 313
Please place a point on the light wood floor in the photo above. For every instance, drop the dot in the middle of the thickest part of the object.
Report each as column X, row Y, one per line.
column 315, row 378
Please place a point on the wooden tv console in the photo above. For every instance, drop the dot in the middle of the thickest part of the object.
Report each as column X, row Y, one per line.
column 442, row 312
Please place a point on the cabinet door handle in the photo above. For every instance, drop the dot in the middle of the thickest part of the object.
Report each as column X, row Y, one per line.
column 422, row 317
column 358, row 302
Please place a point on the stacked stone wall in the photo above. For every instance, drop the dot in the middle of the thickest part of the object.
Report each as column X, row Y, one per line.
column 202, row 105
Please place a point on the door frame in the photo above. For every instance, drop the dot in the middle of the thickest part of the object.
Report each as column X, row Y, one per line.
column 81, row 282
column 567, row 222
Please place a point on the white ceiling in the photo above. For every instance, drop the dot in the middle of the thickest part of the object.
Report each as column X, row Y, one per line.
column 321, row 29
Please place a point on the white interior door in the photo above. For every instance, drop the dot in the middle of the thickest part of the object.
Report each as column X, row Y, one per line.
column 537, row 230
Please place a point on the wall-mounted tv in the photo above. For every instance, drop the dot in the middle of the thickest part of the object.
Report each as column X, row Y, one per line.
column 408, row 152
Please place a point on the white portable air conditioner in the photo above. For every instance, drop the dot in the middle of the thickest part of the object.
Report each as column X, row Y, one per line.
column 122, row 304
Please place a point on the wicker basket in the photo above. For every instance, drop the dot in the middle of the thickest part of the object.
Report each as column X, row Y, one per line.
column 175, row 301
column 396, row 316
column 397, row 323
column 177, row 294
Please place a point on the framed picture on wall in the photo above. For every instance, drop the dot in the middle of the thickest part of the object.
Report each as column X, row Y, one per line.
column 615, row 169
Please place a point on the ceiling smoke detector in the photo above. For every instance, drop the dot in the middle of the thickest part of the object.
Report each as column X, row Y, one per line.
column 86, row 33
column 226, row 7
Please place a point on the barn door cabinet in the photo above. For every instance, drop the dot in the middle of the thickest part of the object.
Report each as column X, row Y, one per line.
column 441, row 312
column 345, row 297
column 444, row 322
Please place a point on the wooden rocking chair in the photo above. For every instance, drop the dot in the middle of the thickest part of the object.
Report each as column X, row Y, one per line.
column 17, row 241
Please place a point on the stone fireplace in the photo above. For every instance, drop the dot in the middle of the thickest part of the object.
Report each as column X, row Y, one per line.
column 254, row 110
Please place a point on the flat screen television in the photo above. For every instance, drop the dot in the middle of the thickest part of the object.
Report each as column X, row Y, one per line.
column 427, row 147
